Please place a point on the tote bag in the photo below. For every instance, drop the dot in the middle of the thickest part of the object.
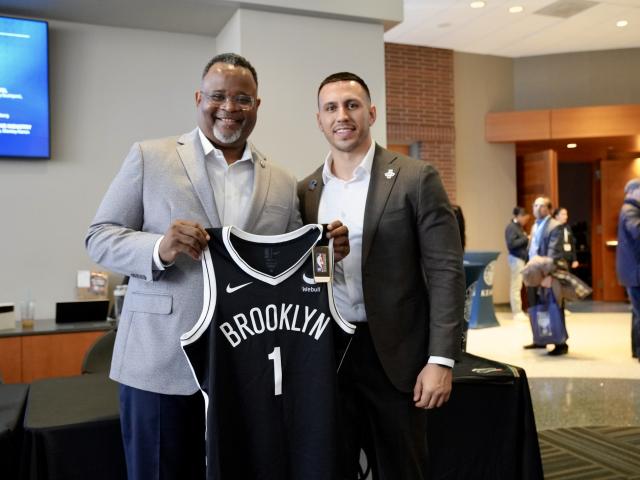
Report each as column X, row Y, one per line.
column 547, row 319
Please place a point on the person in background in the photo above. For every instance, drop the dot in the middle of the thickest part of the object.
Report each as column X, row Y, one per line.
column 569, row 255
column 568, row 240
column 517, row 243
column 628, row 256
column 546, row 241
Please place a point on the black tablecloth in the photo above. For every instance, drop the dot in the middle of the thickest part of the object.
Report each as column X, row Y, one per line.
column 72, row 430
column 487, row 429
column 12, row 402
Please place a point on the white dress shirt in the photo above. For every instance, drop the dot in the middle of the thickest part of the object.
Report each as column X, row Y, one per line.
column 345, row 200
column 232, row 188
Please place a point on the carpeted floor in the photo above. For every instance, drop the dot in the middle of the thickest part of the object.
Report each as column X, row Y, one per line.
column 591, row 453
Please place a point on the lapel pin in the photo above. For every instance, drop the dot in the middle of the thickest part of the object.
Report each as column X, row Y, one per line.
column 313, row 184
column 390, row 174
column 262, row 163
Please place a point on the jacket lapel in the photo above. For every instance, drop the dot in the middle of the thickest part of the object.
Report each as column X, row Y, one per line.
column 383, row 177
column 312, row 196
column 261, row 180
column 192, row 156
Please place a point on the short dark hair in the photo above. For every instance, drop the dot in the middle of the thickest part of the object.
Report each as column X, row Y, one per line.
column 557, row 211
column 519, row 211
column 345, row 77
column 231, row 59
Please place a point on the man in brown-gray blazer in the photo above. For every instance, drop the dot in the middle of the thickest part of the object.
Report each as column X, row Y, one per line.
column 402, row 282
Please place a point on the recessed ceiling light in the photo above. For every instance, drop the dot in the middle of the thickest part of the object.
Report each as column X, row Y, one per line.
column 572, row 145
column 477, row 4
column 516, row 9
column 622, row 23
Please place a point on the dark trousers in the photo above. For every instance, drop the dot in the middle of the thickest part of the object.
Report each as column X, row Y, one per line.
column 375, row 416
column 634, row 296
column 163, row 435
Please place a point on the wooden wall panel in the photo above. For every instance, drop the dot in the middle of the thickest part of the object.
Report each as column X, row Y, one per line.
column 537, row 176
column 614, row 175
column 603, row 121
column 518, row 126
column 11, row 359
column 596, row 236
column 56, row 355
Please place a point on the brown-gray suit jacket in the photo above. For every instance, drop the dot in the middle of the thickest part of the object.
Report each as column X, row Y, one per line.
column 412, row 273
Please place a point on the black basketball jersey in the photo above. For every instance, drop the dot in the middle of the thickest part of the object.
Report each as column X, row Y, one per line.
column 264, row 355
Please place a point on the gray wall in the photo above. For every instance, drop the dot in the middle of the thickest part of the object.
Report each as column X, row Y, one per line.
column 577, row 79
column 485, row 172
column 109, row 88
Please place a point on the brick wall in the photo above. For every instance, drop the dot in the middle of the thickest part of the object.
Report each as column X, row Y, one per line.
column 420, row 105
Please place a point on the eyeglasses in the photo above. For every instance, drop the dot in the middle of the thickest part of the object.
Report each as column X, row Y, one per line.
column 217, row 99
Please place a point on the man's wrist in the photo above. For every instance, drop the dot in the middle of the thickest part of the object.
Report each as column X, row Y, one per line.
column 157, row 261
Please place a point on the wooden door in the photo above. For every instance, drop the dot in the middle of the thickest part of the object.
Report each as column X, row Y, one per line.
column 614, row 174
column 537, row 176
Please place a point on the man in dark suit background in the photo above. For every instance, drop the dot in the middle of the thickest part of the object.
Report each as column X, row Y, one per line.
column 403, row 282
column 628, row 256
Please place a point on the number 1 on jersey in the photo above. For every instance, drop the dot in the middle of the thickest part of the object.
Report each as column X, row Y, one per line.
column 277, row 370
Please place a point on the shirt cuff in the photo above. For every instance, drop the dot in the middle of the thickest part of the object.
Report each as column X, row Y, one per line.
column 445, row 362
column 157, row 262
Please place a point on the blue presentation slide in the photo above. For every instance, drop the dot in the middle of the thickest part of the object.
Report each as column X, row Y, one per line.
column 24, row 88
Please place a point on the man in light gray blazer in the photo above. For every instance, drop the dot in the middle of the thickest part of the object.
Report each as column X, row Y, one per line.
column 402, row 284
column 150, row 226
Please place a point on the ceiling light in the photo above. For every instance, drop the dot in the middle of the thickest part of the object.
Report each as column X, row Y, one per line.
column 622, row 23
column 572, row 145
column 477, row 4
column 516, row 9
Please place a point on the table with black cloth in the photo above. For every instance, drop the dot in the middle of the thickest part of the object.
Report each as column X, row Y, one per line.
column 487, row 429
column 12, row 402
column 72, row 430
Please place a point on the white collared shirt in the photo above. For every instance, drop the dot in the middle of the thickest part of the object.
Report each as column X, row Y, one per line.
column 345, row 200
column 232, row 184
column 232, row 188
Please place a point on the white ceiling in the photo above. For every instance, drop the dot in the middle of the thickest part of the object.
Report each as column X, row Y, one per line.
column 448, row 24
column 492, row 30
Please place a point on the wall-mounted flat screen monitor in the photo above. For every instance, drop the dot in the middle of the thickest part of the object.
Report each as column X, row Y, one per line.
column 24, row 88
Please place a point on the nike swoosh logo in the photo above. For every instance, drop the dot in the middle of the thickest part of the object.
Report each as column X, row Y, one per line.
column 308, row 280
column 231, row 289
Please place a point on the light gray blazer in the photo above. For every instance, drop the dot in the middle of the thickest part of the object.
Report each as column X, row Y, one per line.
column 162, row 181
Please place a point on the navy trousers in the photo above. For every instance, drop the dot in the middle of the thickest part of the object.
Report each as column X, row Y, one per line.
column 163, row 435
column 634, row 296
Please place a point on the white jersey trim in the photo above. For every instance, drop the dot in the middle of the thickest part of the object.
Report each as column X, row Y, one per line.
column 348, row 327
column 257, row 274
column 208, row 307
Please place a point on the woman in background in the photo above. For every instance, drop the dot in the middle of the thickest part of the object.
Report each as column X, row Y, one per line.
column 568, row 240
